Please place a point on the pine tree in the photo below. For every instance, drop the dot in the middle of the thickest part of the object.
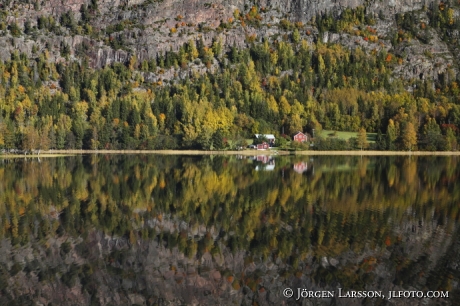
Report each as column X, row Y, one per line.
column 380, row 141
column 218, row 140
column 451, row 140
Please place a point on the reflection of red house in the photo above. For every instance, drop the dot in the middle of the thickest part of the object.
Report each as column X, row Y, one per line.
column 300, row 167
column 263, row 146
column 263, row 158
column 300, row 137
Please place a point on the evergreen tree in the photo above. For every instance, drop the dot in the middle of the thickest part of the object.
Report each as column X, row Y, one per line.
column 218, row 140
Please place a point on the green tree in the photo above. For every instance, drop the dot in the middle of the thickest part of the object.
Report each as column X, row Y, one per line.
column 218, row 140
column 451, row 140
column 217, row 47
column 432, row 137
column 2, row 134
column 295, row 36
column 15, row 30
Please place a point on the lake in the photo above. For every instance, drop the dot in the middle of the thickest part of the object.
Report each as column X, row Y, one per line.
column 229, row 230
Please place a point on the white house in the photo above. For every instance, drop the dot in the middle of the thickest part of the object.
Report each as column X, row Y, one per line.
column 270, row 138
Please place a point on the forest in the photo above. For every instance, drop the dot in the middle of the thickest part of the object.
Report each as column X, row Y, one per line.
column 277, row 86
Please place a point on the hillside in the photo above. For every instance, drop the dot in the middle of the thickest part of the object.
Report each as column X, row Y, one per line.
column 192, row 74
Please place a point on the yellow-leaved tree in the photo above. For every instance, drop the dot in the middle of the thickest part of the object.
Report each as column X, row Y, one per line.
column 362, row 138
column 409, row 137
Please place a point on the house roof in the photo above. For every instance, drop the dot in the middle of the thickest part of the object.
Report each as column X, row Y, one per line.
column 268, row 136
column 299, row 133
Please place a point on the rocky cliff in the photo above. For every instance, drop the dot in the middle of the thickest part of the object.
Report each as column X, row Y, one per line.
column 152, row 27
column 202, row 11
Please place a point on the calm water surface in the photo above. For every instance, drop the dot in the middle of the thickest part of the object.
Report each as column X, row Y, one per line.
column 180, row 230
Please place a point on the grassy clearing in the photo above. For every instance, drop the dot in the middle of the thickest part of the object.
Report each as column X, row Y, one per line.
column 249, row 141
column 371, row 137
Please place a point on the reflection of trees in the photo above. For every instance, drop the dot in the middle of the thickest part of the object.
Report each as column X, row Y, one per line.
column 327, row 208
column 200, row 206
column 346, row 202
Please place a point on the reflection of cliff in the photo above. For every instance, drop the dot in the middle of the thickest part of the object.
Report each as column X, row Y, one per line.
column 214, row 231
column 127, row 271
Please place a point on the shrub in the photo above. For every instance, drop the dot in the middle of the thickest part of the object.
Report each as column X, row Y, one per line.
column 331, row 144
column 14, row 29
column 285, row 24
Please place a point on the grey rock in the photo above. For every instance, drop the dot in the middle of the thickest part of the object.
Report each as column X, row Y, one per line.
column 324, row 262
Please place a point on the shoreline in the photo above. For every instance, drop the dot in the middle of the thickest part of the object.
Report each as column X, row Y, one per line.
column 56, row 153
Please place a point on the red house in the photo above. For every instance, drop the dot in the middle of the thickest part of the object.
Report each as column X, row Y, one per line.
column 300, row 137
column 263, row 146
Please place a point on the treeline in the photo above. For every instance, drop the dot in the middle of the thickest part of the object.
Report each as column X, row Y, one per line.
column 283, row 86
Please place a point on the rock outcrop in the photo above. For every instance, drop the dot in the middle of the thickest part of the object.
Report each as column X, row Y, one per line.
column 147, row 28
column 203, row 11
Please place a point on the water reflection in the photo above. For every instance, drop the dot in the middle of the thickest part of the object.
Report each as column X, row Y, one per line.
column 217, row 230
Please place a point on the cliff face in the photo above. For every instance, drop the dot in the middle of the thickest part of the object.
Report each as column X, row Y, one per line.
column 304, row 10
column 148, row 28
column 200, row 11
